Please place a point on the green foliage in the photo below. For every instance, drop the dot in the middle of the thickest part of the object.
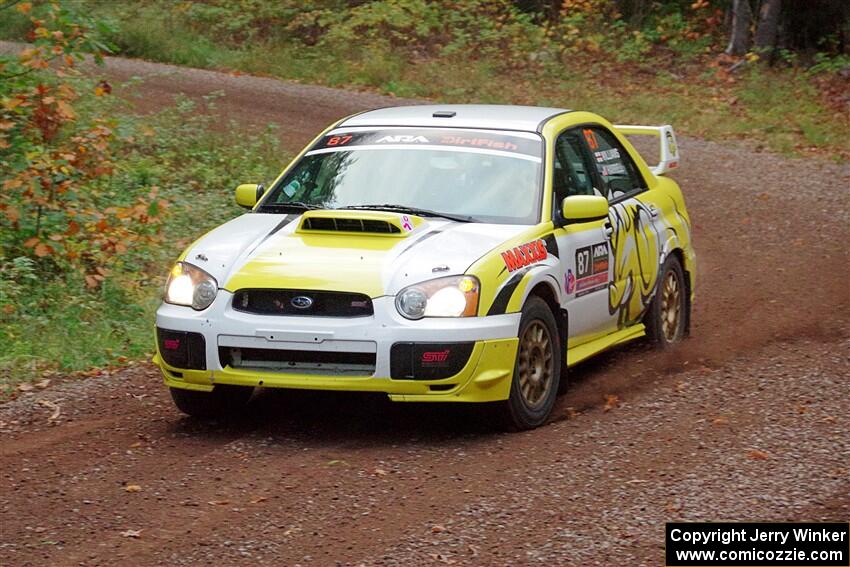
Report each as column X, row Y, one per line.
column 54, row 321
column 824, row 63
column 648, row 61
column 417, row 28
column 97, row 202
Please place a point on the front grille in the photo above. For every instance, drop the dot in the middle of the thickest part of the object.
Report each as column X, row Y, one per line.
column 302, row 302
column 300, row 361
column 343, row 224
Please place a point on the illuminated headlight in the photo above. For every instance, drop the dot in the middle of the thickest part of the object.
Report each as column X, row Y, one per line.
column 191, row 286
column 455, row 296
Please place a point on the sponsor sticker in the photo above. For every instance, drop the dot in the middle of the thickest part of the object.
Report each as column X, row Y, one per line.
column 671, row 143
column 603, row 156
column 569, row 281
column 291, row 188
column 405, row 223
column 401, row 139
column 524, row 255
column 493, row 144
column 612, row 169
column 591, row 268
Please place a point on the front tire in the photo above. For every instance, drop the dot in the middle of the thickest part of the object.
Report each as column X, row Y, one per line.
column 224, row 400
column 666, row 319
column 534, row 387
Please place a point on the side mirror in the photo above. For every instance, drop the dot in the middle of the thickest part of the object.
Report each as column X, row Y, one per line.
column 248, row 194
column 584, row 208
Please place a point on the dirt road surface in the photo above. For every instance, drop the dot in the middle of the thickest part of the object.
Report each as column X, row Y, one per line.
column 748, row 420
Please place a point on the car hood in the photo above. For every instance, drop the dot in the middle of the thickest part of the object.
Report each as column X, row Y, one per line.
column 278, row 251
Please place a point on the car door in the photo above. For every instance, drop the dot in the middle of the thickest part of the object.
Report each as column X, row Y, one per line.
column 635, row 224
column 583, row 248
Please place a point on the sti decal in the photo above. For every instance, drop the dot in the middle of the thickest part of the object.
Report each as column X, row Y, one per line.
column 435, row 358
column 591, row 268
column 524, row 255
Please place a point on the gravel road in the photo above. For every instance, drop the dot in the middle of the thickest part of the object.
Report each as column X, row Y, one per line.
column 748, row 420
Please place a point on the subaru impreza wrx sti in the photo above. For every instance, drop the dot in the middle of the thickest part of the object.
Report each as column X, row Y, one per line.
column 466, row 253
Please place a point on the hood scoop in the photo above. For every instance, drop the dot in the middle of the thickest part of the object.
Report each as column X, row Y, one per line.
column 373, row 223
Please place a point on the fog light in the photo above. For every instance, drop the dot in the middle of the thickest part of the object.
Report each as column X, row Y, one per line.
column 412, row 302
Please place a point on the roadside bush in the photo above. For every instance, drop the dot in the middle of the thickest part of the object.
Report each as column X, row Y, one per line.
column 419, row 28
column 97, row 202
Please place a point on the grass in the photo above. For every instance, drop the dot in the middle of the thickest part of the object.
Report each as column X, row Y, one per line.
column 779, row 108
column 58, row 325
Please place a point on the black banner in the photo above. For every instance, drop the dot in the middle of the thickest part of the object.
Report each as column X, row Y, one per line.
column 757, row 544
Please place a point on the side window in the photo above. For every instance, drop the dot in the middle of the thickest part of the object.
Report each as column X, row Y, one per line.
column 619, row 174
column 572, row 174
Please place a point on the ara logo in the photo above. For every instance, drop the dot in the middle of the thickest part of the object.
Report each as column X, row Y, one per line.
column 403, row 139
column 525, row 254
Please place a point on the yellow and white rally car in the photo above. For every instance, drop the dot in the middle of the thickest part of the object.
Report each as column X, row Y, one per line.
column 467, row 253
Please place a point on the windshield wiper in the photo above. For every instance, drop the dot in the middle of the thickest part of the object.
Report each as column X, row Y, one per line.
column 411, row 211
column 289, row 207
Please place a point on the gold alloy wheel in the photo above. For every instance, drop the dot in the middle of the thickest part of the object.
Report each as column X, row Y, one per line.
column 671, row 306
column 536, row 364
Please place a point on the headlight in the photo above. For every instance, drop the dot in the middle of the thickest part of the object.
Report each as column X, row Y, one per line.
column 455, row 296
column 191, row 286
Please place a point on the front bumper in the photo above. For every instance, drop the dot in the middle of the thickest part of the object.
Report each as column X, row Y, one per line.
column 486, row 376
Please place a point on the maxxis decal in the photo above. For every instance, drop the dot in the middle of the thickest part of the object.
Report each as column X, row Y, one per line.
column 524, row 255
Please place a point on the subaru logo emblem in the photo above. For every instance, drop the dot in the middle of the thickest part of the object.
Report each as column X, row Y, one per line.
column 301, row 302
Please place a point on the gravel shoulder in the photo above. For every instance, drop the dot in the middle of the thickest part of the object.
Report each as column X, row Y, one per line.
column 747, row 421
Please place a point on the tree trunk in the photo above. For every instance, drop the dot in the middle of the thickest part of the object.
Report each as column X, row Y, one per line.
column 768, row 25
column 739, row 39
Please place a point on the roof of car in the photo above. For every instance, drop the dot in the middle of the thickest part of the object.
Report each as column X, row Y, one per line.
column 486, row 116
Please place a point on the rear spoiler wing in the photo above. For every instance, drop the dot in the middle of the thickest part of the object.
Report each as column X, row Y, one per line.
column 669, row 155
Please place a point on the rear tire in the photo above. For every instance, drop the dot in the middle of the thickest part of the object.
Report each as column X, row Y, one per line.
column 224, row 400
column 667, row 317
column 537, row 369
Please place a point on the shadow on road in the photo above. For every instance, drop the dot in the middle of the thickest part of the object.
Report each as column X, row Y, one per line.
column 341, row 417
column 372, row 419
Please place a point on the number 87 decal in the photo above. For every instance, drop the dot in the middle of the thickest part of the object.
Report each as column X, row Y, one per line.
column 582, row 262
column 338, row 140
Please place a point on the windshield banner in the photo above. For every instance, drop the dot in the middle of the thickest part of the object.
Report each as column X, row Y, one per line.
column 430, row 137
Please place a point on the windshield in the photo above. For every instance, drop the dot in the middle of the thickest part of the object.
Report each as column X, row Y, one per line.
column 488, row 176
